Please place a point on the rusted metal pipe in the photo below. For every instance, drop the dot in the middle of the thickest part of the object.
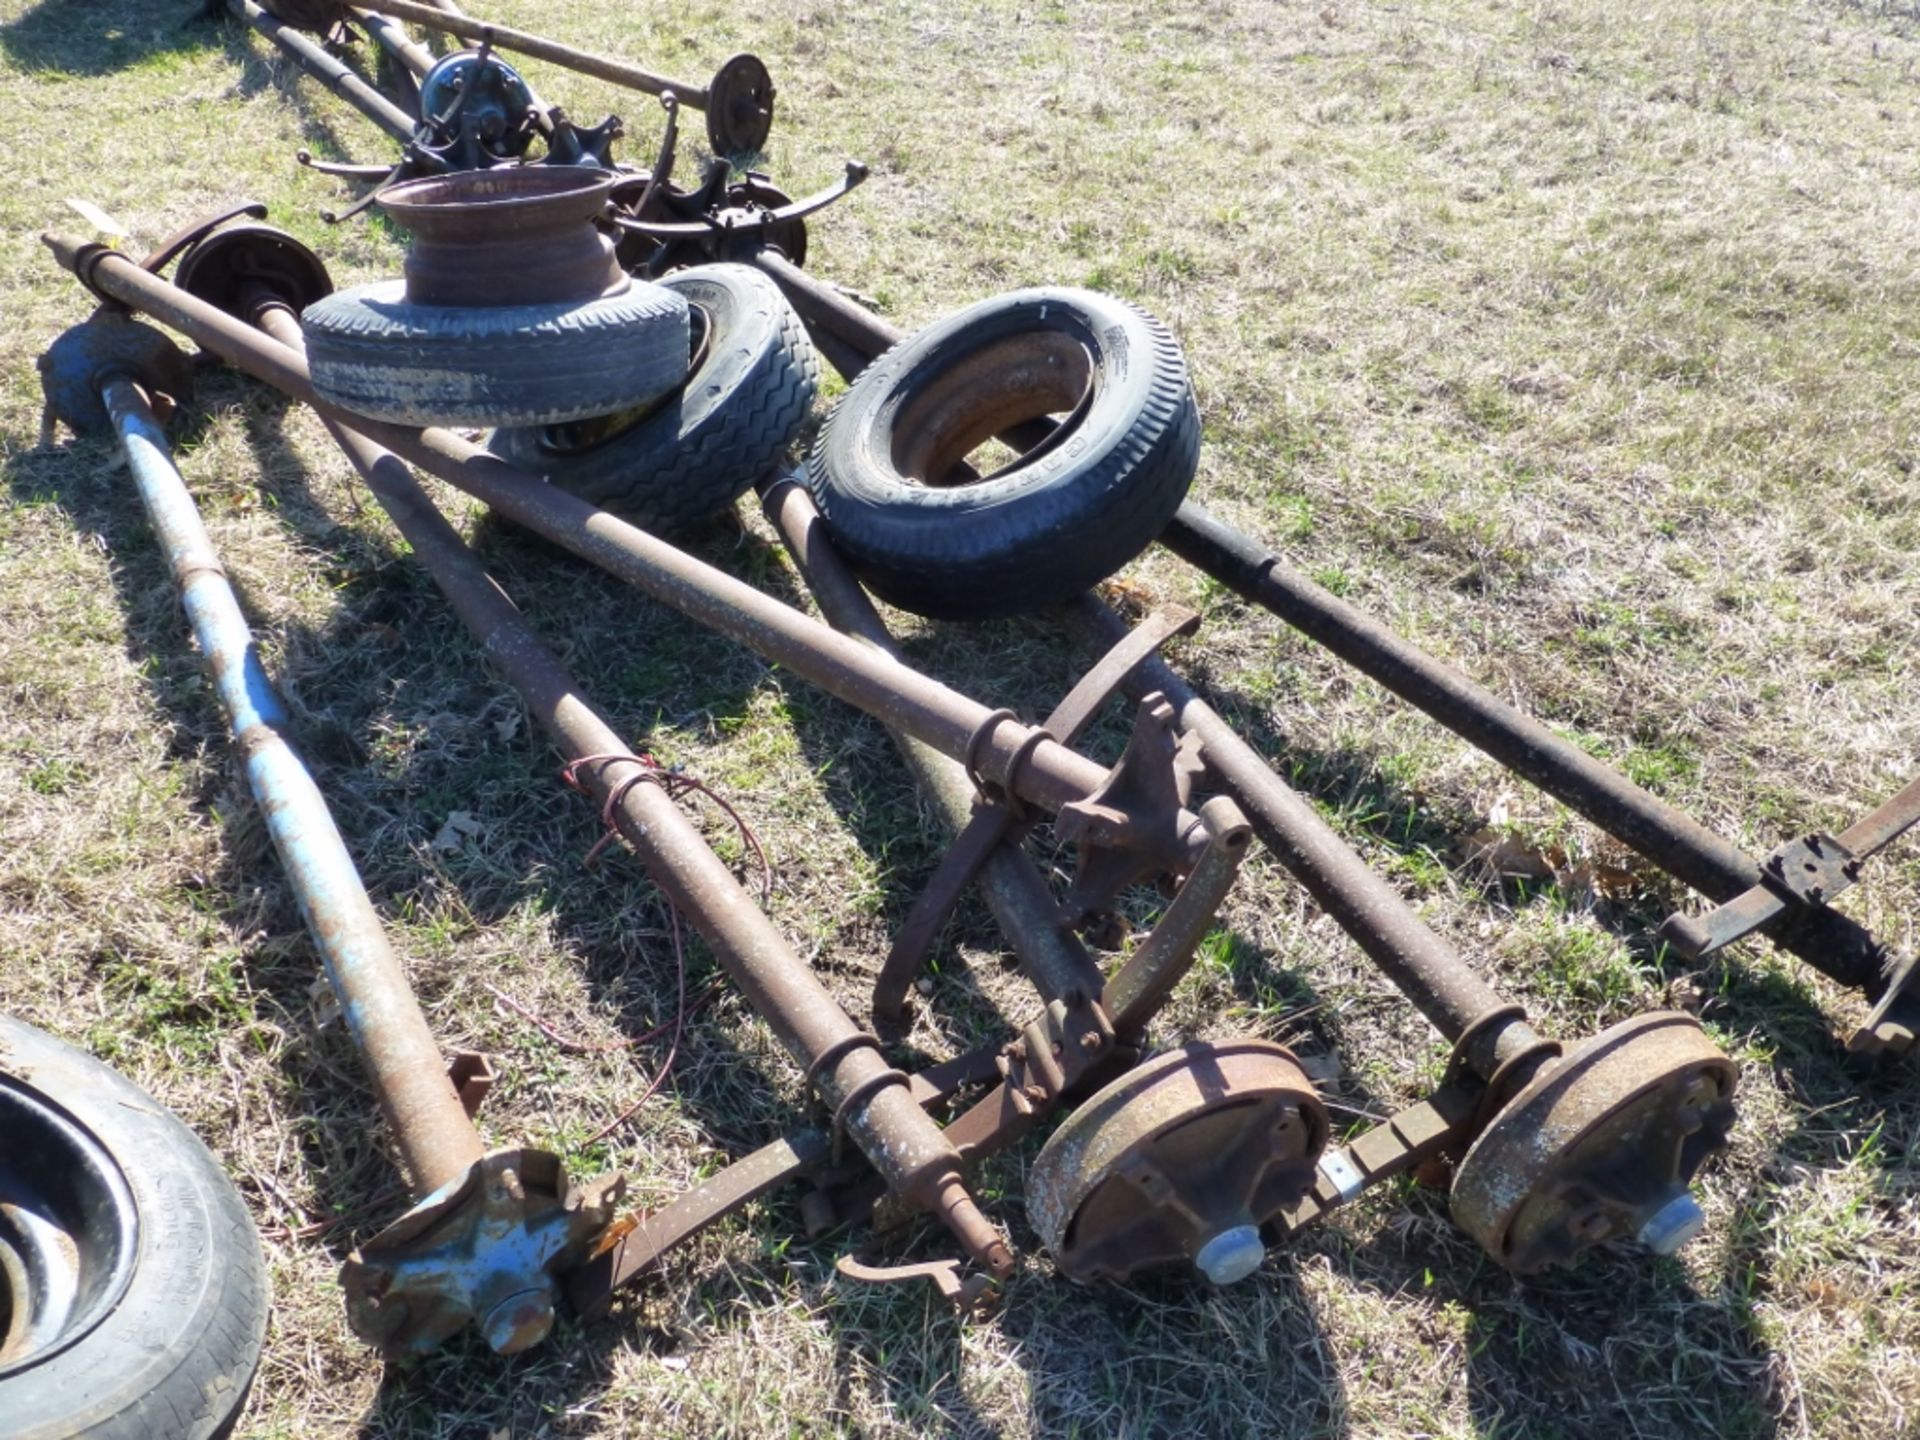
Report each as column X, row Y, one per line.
column 390, row 36
column 848, row 334
column 451, row 22
column 1441, row 985
column 905, row 1146
column 437, row 1141
column 1826, row 939
column 307, row 53
column 1008, row 753
column 1025, row 910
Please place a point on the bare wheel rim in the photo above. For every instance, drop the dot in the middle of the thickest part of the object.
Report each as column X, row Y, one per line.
column 69, row 1232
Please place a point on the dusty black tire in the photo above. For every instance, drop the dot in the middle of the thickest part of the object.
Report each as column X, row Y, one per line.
column 674, row 466
column 1072, row 510
column 373, row 352
column 163, row 1333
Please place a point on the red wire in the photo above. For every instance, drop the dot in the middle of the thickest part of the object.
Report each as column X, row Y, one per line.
column 674, row 785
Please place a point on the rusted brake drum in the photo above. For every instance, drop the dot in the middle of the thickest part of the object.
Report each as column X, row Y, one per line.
column 513, row 309
column 1180, row 1161
column 1600, row 1145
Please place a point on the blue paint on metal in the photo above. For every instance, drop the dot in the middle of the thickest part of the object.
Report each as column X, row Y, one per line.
column 375, row 1000
column 332, row 900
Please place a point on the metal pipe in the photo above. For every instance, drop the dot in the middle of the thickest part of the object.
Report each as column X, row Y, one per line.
column 437, row 1141
column 307, row 53
column 905, row 1146
column 1441, row 985
column 1050, row 776
column 1826, row 939
column 847, row 333
column 391, row 36
column 1022, row 905
column 450, row 22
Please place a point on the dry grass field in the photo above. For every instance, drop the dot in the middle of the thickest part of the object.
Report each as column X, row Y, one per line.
column 1577, row 341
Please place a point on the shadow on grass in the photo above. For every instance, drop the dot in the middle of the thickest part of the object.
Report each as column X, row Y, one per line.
column 80, row 37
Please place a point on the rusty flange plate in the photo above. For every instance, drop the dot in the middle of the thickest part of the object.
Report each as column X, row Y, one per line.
column 1600, row 1145
column 740, row 106
column 1180, row 1162
column 225, row 268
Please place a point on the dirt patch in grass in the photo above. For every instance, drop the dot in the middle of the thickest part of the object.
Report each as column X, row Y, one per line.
column 1576, row 343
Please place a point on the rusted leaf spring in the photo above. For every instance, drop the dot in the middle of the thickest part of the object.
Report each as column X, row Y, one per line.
column 1008, row 754
column 311, row 57
column 904, row 1145
column 1826, row 939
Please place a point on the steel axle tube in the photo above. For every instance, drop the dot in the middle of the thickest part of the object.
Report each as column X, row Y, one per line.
column 620, row 72
column 438, row 1143
column 308, row 54
column 905, row 1146
column 1826, row 939
column 1048, row 774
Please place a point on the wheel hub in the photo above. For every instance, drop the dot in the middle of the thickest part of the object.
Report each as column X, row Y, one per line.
column 1181, row 1161
column 1599, row 1145
column 739, row 106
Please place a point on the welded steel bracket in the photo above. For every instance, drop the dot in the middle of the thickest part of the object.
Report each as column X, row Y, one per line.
column 635, row 1244
column 1806, row 872
column 486, row 1249
column 473, row 1078
column 965, row 1292
column 1125, row 829
column 995, row 819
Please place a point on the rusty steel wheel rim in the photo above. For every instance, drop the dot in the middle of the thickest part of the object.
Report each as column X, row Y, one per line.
column 509, row 235
column 985, row 390
column 1600, row 1145
column 1181, row 1160
column 69, row 1233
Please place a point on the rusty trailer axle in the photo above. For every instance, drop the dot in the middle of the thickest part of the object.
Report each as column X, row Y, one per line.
column 1835, row 944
